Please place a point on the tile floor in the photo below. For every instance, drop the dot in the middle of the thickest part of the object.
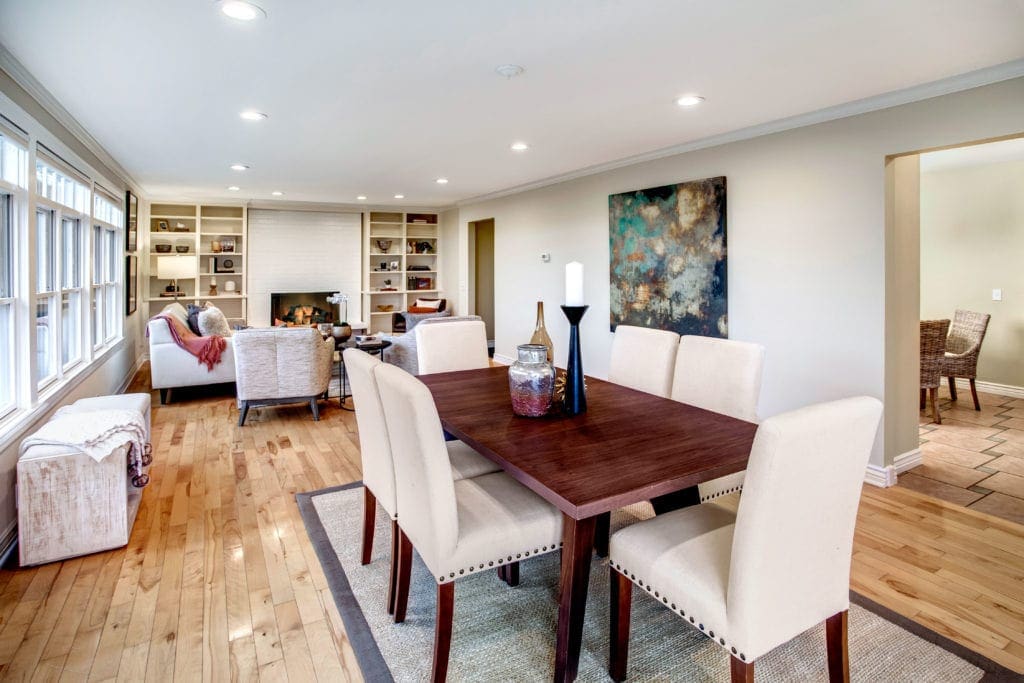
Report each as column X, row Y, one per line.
column 974, row 458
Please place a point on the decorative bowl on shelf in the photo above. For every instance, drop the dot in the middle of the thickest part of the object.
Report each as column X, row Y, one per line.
column 384, row 245
column 162, row 248
column 181, row 248
column 385, row 308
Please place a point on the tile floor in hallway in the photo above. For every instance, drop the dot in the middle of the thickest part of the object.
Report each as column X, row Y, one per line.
column 974, row 458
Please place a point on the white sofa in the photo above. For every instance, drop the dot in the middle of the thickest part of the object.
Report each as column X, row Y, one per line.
column 172, row 366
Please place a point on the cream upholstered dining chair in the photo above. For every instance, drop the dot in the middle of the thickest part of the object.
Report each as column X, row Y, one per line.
column 458, row 528
column 281, row 365
column 458, row 345
column 723, row 376
column 643, row 359
column 377, row 461
column 753, row 580
column 962, row 348
column 933, row 352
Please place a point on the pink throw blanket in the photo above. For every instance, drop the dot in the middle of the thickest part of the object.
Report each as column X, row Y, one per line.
column 206, row 349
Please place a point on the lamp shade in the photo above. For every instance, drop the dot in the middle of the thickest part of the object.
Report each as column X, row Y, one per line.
column 176, row 267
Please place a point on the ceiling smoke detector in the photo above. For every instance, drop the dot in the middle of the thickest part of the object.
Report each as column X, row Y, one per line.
column 509, row 71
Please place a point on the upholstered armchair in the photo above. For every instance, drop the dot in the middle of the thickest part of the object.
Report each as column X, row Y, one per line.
column 281, row 365
column 962, row 348
column 933, row 352
column 643, row 359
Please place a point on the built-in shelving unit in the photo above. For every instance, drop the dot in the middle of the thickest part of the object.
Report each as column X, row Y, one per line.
column 400, row 263
column 216, row 240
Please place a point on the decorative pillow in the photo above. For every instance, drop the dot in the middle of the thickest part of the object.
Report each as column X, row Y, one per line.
column 212, row 322
column 414, row 319
column 421, row 309
column 433, row 304
column 176, row 310
column 193, row 318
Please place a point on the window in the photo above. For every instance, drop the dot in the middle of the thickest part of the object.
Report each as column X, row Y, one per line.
column 71, row 292
column 46, row 297
column 106, row 270
column 7, row 367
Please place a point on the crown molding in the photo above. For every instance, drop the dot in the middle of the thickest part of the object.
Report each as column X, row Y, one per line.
column 17, row 71
column 945, row 86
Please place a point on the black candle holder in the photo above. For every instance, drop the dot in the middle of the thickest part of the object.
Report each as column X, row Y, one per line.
column 575, row 401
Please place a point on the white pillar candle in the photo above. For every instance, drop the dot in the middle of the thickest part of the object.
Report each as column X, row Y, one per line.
column 574, row 283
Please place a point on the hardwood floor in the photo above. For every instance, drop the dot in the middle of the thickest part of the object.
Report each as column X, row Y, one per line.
column 220, row 582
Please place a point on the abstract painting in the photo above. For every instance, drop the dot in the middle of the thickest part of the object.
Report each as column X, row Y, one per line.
column 668, row 258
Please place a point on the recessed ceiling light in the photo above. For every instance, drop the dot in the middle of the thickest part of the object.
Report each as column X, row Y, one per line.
column 243, row 11
column 361, row 197
column 519, row 146
column 277, row 193
column 234, row 188
column 689, row 100
column 399, row 196
column 252, row 115
column 509, row 70
column 239, row 167
column 441, row 181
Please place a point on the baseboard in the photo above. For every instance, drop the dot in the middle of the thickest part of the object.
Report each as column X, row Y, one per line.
column 989, row 388
column 131, row 373
column 882, row 477
column 907, row 461
column 503, row 359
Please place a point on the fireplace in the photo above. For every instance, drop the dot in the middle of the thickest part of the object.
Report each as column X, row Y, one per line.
column 301, row 308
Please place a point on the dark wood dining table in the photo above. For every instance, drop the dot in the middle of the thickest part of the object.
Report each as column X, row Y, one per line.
column 628, row 447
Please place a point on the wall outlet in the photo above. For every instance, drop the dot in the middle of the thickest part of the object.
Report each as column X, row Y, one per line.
column 997, row 295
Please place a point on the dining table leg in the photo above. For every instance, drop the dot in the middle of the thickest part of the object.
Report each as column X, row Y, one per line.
column 577, row 544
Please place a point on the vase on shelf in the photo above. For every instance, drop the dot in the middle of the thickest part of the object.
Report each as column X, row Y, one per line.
column 531, row 381
column 540, row 333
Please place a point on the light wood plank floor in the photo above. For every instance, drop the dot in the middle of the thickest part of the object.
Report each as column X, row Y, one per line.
column 220, row 582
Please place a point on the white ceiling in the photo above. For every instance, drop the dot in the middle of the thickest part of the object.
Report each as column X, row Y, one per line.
column 377, row 98
column 973, row 155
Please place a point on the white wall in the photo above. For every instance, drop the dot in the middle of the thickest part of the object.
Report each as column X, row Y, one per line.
column 806, row 229
column 972, row 241
column 303, row 251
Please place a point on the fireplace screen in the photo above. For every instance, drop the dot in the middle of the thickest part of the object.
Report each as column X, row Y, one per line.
column 301, row 308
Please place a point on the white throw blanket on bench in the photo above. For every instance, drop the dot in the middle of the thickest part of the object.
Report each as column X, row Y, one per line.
column 96, row 433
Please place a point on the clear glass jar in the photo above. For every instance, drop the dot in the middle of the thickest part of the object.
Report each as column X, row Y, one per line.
column 531, row 381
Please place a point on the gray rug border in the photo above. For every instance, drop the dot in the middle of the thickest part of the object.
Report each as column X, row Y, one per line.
column 364, row 645
column 374, row 668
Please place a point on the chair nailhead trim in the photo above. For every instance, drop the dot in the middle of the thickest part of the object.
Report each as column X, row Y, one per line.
column 490, row 563
column 682, row 612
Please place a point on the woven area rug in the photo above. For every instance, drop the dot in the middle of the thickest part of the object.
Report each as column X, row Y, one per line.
column 508, row 634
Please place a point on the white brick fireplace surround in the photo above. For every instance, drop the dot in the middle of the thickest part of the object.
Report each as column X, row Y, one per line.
column 302, row 251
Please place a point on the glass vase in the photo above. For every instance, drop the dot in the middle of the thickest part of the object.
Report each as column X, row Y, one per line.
column 540, row 333
column 531, row 381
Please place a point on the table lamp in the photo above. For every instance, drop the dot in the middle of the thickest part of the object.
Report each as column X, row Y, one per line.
column 174, row 268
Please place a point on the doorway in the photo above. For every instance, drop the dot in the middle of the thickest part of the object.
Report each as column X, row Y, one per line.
column 959, row 219
column 481, row 238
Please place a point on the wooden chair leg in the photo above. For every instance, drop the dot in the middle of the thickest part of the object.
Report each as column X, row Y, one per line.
column 369, row 516
column 242, row 413
column 393, row 580
column 838, row 654
column 501, row 573
column 601, row 531
column 923, row 392
column 165, row 394
column 511, row 574
column 404, row 574
column 618, row 634
column 934, row 393
column 315, row 407
column 974, row 394
column 952, row 387
column 443, row 630
column 742, row 672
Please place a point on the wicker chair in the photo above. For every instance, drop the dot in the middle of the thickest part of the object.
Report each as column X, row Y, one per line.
column 962, row 348
column 933, row 351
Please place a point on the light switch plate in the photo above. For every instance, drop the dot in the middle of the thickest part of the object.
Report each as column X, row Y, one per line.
column 997, row 295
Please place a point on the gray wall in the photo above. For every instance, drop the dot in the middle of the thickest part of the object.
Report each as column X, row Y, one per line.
column 807, row 235
column 972, row 241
